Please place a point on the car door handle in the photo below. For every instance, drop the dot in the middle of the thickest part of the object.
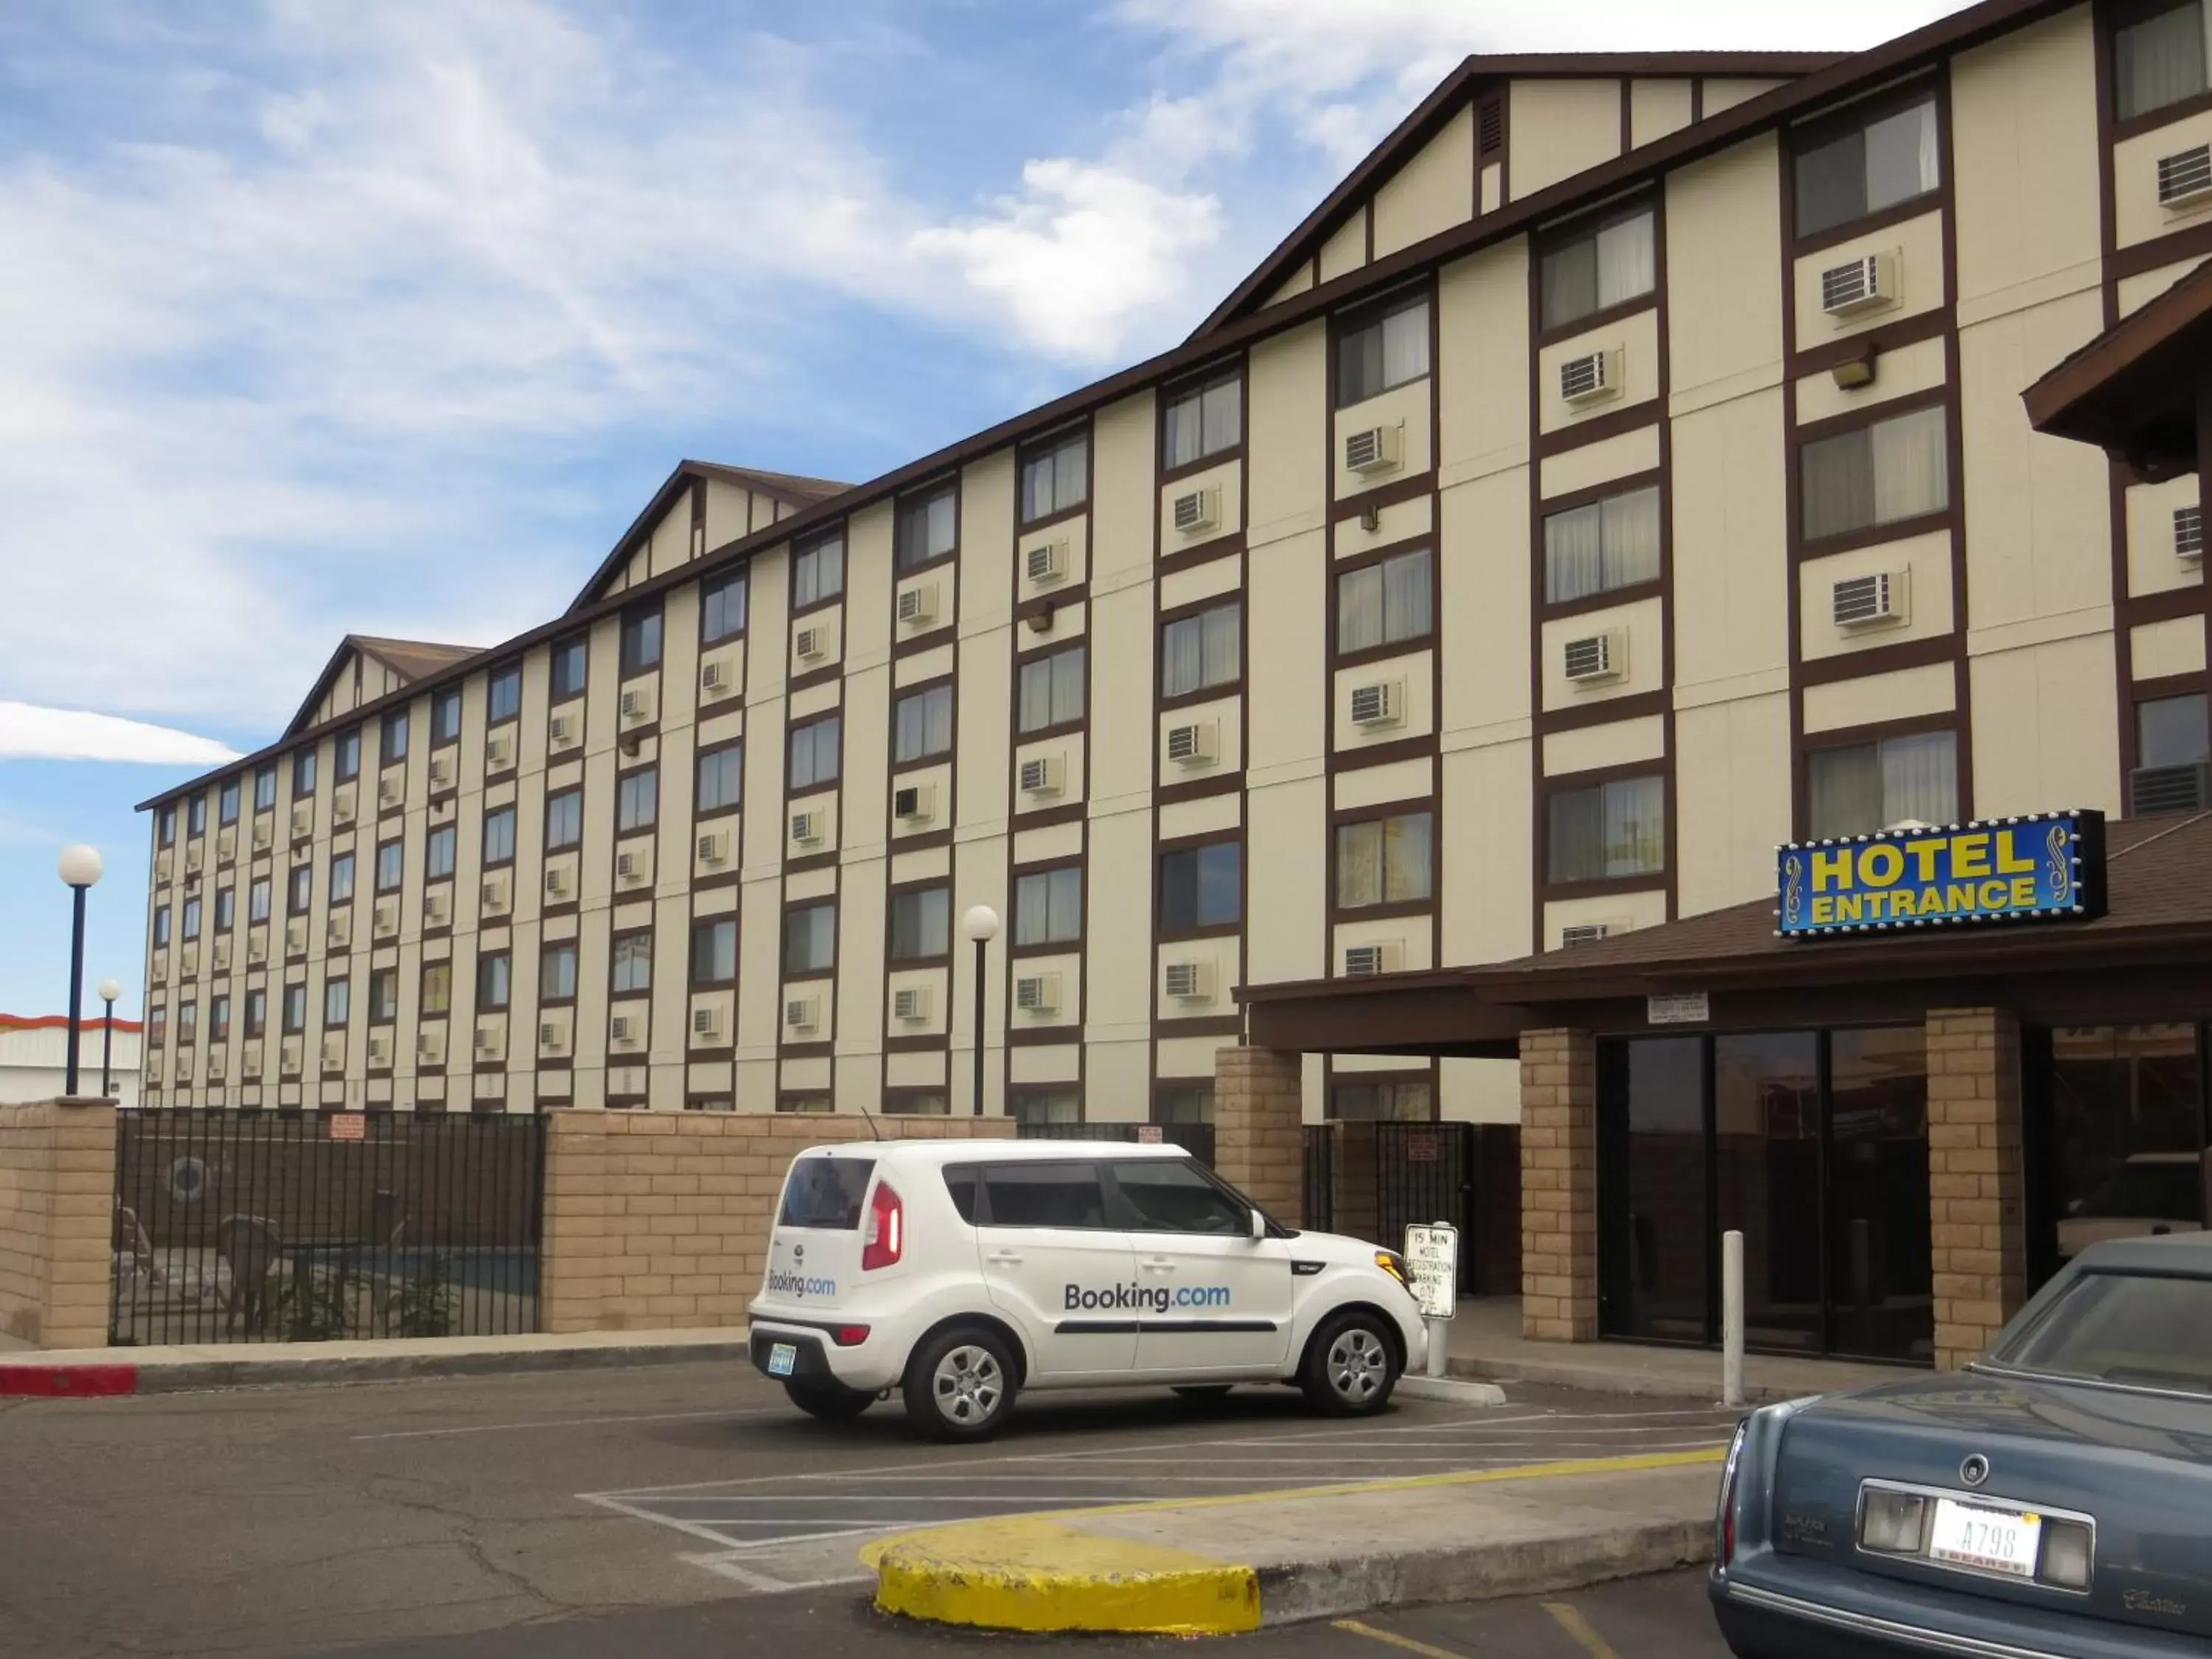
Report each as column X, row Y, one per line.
column 1159, row 1264
column 1004, row 1259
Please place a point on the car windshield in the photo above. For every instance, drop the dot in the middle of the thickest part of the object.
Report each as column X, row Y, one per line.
column 826, row 1192
column 2150, row 1330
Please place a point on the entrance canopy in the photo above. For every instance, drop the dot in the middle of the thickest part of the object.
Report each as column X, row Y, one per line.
column 2135, row 390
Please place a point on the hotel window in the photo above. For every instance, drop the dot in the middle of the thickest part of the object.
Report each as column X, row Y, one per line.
column 721, row 778
column 1606, row 544
column 256, row 1014
column 188, row 1021
column 341, row 878
column 633, row 963
column 1203, row 418
column 499, row 836
column 1056, row 478
column 1606, row 263
column 637, row 799
column 1052, row 691
column 337, row 1002
column 916, row 1103
column 437, row 988
column 302, row 898
column 926, row 528
column 556, row 973
column 1048, row 907
column 303, row 779
column 571, row 666
column 226, row 909
column 503, row 695
column 256, row 901
column 157, row 1025
column 227, row 803
column 1201, row 887
column 494, row 981
column 818, row 572
column 345, row 763
column 721, row 608
column 438, row 853
column 805, row 1103
column 383, row 996
column 923, row 722
column 640, row 641
column 1871, row 165
column 922, row 924
column 2172, row 748
column 713, row 952
column 168, row 826
column 1183, row 1103
column 1608, row 830
column 810, row 938
column 1385, row 860
column 295, row 1010
column 564, row 819
column 814, row 754
column 161, row 926
column 1385, row 346
column 1201, row 652
column 445, row 718
column 2158, row 55
column 219, row 1018
column 1387, row 603
column 196, row 817
column 191, row 918
column 391, row 865
column 264, row 789
column 1047, row 1106
column 394, row 744
column 1382, row 1103
column 1885, row 473
column 1860, row 787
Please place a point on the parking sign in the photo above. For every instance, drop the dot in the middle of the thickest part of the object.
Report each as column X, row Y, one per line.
column 1433, row 1258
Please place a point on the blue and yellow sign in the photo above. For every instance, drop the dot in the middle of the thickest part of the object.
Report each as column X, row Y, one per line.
column 2047, row 867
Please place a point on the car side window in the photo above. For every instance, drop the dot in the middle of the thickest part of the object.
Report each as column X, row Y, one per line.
column 1044, row 1195
column 960, row 1180
column 1166, row 1195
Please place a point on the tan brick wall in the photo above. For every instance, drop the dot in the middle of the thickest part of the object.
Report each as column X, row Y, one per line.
column 1558, row 1186
column 659, row 1221
column 56, row 1221
column 1259, row 1128
column 1974, row 1177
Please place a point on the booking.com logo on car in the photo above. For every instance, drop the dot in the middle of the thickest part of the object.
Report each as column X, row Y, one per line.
column 1148, row 1298
column 784, row 1283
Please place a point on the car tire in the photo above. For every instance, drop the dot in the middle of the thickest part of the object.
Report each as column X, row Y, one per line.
column 831, row 1402
column 1351, row 1365
column 960, row 1385
column 1202, row 1394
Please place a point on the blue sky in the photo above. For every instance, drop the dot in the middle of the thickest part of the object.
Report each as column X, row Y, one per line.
column 321, row 316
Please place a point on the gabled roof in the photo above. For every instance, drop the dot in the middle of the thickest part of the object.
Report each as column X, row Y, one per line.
column 1478, row 72
column 792, row 488
column 2132, row 391
column 409, row 659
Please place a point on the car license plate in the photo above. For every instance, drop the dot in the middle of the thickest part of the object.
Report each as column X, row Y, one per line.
column 1988, row 1541
column 782, row 1359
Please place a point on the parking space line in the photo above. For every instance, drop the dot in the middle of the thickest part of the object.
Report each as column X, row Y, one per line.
column 1394, row 1639
column 566, row 1422
column 1569, row 1620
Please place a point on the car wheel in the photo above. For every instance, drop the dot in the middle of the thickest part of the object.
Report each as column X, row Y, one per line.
column 960, row 1385
column 1203, row 1393
column 1351, row 1366
column 833, row 1402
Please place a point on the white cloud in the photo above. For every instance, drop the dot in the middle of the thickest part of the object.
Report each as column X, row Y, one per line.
column 29, row 732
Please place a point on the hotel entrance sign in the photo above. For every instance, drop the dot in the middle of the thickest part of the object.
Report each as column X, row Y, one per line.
column 2046, row 867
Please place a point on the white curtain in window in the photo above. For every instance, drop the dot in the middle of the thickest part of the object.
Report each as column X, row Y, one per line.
column 1360, row 609
column 1359, row 865
column 1634, row 827
column 1912, row 471
column 1222, row 649
column 1183, row 654
column 2160, row 61
column 1920, row 779
column 1405, row 860
column 1626, row 266
column 1574, row 552
column 1900, row 157
column 1632, row 537
column 1846, row 791
column 1406, row 344
column 1406, row 598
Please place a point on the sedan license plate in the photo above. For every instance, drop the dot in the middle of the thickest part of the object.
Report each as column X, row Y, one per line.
column 782, row 1359
column 1987, row 1541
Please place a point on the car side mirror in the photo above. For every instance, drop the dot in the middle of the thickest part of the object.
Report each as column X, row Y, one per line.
column 1259, row 1226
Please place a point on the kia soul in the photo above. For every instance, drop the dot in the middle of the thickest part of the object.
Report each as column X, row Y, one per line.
column 962, row 1273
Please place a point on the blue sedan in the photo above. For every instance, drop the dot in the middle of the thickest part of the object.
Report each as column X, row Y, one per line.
column 2053, row 1500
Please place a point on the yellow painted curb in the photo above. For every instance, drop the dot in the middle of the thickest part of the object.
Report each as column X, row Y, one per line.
column 1032, row 1573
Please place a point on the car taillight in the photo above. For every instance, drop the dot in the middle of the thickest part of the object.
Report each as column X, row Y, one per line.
column 886, row 1239
column 1724, row 1544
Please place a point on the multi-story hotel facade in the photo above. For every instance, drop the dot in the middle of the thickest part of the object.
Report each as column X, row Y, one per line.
column 1624, row 472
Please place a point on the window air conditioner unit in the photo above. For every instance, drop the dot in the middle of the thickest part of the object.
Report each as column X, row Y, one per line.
column 706, row 1021
column 806, row 827
column 379, row 1049
column 714, row 676
column 712, row 845
column 556, row 883
column 799, row 1014
column 637, row 705
column 499, row 752
column 191, row 960
column 1037, row 994
column 912, row 802
column 1041, row 775
column 910, row 1004
column 629, row 866
column 1046, row 562
column 221, row 954
column 391, row 789
column 490, row 1040
column 1191, row 744
column 303, row 819
column 1870, row 601
column 1362, row 960
column 1589, row 932
column 264, row 833
column 1375, row 449
column 1200, row 509
column 341, row 929
column 2184, row 179
column 1379, row 704
column 918, row 603
column 1591, row 378
column 2170, row 788
column 2189, row 533
column 295, row 938
column 334, row 1048
column 552, row 1037
column 430, row 1046
column 442, row 771
column 249, row 1062
column 342, row 804
column 624, row 1029
column 438, row 908
column 1190, row 981
column 257, row 946
column 161, row 964
column 386, row 917
column 493, row 896
column 193, row 858
column 1862, row 284
column 562, row 730
column 811, row 643
column 290, row 1056
column 1598, row 658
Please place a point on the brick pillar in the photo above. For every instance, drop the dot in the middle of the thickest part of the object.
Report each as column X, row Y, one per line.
column 1558, row 1186
column 1259, row 1128
column 57, row 1221
column 1974, row 1178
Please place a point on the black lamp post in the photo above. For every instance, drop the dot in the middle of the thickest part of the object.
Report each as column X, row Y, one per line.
column 980, row 924
column 109, row 990
column 79, row 867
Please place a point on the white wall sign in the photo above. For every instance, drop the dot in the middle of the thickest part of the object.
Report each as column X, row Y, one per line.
column 1433, row 1258
column 1678, row 1008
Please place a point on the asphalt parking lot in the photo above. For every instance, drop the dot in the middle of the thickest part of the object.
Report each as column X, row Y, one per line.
column 460, row 1517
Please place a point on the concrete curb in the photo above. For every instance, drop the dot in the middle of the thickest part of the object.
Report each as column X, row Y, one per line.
column 1613, row 1382
column 78, row 1381
column 1451, row 1391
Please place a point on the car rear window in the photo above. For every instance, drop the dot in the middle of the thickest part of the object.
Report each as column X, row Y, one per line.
column 2150, row 1330
column 1045, row 1195
column 825, row 1192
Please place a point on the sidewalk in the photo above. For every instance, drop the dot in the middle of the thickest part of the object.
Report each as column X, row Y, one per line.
column 1213, row 1565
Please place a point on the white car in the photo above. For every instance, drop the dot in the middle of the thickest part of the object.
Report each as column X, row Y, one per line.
column 962, row 1272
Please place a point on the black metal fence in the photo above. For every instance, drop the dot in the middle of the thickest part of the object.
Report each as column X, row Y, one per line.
column 288, row 1226
column 1320, row 1178
column 1196, row 1138
column 1423, row 1172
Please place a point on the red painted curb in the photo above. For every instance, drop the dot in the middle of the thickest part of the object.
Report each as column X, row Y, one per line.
column 67, row 1381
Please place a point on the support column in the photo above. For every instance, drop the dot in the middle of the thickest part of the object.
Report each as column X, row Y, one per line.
column 56, row 1221
column 1259, row 1128
column 1558, row 1186
column 1976, row 1213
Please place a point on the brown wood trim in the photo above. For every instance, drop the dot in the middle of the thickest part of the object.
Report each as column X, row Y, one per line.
column 1228, row 783
column 2168, row 604
column 2166, row 685
column 1043, row 817
column 1397, row 492
column 1590, row 428
column 2117, row 130
column 1875, row 535
column 1888, row 337
column 1389, row 650
column 932, row 1043
column 1065, row 1035
column 1898, row 213
column 1596, row 319
column 810, row 862
column 1867, row 661
column 1606, row 711
column 1200, row 1025
column 816, row 1049
column 1852, row 737
column 1384, row 753
column 1189, row 558
column 923, row 843
column 946, row 633
column 1611, row 598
